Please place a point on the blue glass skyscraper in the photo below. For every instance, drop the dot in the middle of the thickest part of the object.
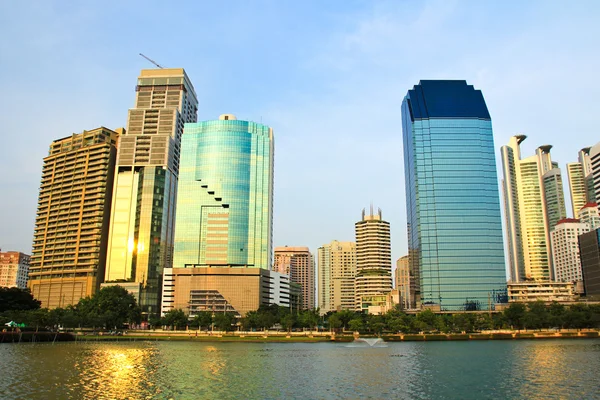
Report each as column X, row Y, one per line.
column 225, row 195
column 453, row 207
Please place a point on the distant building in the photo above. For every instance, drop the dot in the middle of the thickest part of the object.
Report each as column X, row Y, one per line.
column 589, row 246
column 595, row 179
column 14, row 269
column 454, row 225
column 71, row 228
column 548, row 291
column 534, row 201
column 373, row 259
column 337, row 269
column 226, row 289
column 581, row 181
column 299, row 264
column 590, row 215
column 402, row 277
column 565, row 249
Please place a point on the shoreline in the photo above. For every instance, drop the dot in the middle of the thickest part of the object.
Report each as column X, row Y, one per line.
column 272, row 337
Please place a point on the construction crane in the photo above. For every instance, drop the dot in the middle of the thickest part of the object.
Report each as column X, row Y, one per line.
column 152, row 61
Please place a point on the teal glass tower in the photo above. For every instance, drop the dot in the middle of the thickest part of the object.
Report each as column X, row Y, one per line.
column 225, row 195
column 453, row 207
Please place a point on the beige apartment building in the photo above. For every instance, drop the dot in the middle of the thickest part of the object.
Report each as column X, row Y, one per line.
column 402, row 279
column 337, row 269
column 565, row 249
column 14, row 269
column 534, row 203
column 71, row 227
column 373, row 259
column 299, row 264
column 581, row 181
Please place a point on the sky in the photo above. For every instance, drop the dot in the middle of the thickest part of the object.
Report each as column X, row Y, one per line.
column 328, row 76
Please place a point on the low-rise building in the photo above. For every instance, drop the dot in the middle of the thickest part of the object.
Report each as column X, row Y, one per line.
column 226, row 289
column 14, row 269
column 548, row 291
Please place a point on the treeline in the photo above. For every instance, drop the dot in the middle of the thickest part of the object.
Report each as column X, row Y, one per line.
column 111, row 307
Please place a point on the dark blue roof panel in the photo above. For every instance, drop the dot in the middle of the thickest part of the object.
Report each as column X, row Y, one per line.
column 446, row 99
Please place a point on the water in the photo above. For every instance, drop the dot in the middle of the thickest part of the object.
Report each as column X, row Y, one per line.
column 540, row 369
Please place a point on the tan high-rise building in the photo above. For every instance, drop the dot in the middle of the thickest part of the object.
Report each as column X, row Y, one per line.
column 402, row 278
column 299, row 264
column 337, row 268
column 534, row 203
column 143, row 205
column 71, row 227
column 14, row 269
column 581, row 181
column 565, row 249
column 373, row 260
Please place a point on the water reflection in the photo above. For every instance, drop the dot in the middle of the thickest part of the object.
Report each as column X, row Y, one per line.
column 187, row 370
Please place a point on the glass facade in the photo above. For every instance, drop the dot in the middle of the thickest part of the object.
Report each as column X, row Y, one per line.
column 225, row 195
column 453, row 208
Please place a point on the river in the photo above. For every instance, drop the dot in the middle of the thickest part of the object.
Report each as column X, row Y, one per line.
column 532, row 369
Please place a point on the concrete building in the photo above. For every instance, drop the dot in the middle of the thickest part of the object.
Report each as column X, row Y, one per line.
column 337, row 269
column 534, row 202
column 226, row 289
column 14, row 269
column 565, row 249
column 403, row 284
column 143, row 204
column 589, row 247
column 71, row 227
column 581, row 181
column 454, row 226
column 548, row 291
column 373, row 259
column 590, row 215
column 595, row 178
column 299, row 264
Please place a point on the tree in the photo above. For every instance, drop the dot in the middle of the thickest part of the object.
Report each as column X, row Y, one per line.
column 175, row 319
column 556, row 317
column 426, row 320
column 334, row 322
column 537, row 316
column 288, row 321
column 515, row 315
column 13, row 299
column 110, row 307
column 202, row 319
column 356, row 324
column 224, row 321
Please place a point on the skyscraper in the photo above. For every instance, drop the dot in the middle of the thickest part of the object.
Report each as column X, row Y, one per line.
column 453, row 207
column 594, row 180
column 565, row 249
column 534, row 202
column 143, row 207
column 373, row 261
column 14, row 269
column 224, row 210
column 403, row 284
column 581, row 181
column 71, row 227
column 337, row 269
column 299, row 264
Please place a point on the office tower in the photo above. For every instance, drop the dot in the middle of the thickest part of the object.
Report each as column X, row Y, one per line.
column 14, row 269
column 455, row 244
column 299, row 264
column 589, row 247
column 373, row 260
column 337, row 269
column 594, row 180
column 534, row 203
column 581, row 181
column 225, row 202
column 565, row 249
column 403, row 282
column 71, row 227
column 590, row 215
column 143, row 207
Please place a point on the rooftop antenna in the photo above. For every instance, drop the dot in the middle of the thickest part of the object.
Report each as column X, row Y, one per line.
column 152, row 61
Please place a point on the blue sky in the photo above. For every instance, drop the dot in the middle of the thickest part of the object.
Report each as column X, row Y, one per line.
column 328, row 76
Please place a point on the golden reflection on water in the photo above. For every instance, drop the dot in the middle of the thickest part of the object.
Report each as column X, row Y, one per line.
column 214, row 362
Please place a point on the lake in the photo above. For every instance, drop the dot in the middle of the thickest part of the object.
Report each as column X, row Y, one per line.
column 510, row 369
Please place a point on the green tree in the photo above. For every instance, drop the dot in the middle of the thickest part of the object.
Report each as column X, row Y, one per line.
column 515, row 315
column 345, row 316
column 224, row 321
column 556, row 317
column 356, row 324
column 334, row 322
column 175, row 319
column 203, row 319
column 110, row 307
column 12, row 299
column 426, row 320
column 288, row 321
column 537, row 315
